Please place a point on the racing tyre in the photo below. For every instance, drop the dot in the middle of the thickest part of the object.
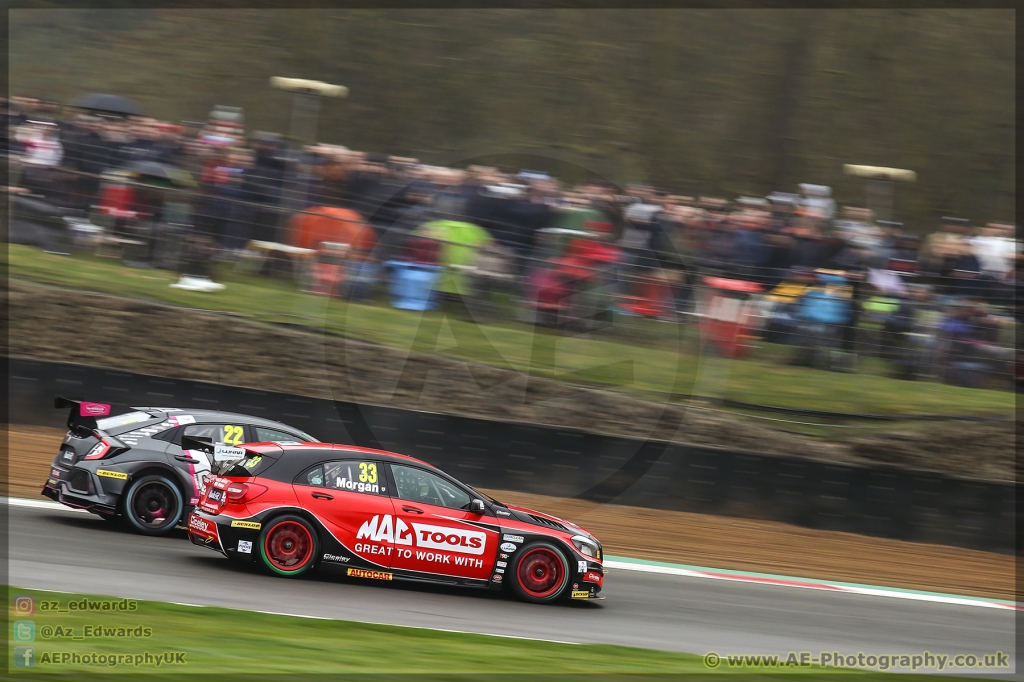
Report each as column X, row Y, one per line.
column 288, row 546
column 153, row 505
column 540, row 573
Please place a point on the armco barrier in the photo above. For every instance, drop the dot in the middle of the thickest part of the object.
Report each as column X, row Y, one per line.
column 880, row 501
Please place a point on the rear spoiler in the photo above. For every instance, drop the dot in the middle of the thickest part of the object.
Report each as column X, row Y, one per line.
column 82, row 418
column 221, row 453
column 82, row 423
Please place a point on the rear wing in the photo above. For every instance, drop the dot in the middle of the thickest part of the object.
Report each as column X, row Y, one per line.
column 82, row 417
column 82, row 423
column 222, row 454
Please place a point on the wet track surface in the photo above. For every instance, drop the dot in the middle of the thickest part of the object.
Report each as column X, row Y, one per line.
column 76, row 552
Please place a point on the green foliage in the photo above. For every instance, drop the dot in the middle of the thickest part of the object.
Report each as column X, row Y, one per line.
column 230, row 645
column 641, row 356
column 701, row 101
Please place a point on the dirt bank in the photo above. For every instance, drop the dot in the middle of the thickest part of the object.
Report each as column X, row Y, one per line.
column 697, row 539
column 150, row 338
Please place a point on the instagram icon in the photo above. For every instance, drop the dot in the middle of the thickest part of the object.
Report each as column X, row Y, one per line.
column 24, row 605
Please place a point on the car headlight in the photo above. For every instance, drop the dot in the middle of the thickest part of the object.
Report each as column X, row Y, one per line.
column 587, row 547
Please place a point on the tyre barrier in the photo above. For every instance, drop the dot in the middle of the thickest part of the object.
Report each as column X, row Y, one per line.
column 882, row 501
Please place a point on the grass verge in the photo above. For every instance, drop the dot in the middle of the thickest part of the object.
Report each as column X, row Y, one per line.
column 229, row 645
column 640, row 356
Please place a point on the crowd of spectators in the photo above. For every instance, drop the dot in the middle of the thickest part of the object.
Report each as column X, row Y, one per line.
column 959, row 281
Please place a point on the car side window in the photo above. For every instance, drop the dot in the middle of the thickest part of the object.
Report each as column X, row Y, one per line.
column 225, row 434
column 314, row 476
column 353, row 475
column 417, row 485
column 264, row 435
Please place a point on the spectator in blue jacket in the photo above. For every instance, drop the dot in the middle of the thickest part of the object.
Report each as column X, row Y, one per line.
column 825, row 309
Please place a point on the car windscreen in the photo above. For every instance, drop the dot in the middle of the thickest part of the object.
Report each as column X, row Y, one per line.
column 123, row 423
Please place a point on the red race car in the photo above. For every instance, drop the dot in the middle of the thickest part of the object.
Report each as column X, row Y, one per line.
column 295, row 507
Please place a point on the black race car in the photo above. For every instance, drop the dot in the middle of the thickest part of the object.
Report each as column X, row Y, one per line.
column 132, row 466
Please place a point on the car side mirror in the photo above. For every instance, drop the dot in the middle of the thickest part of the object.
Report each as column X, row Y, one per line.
column 477, row 506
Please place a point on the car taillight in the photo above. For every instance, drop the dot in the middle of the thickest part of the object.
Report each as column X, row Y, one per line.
column 243, row 492
column 99, row 451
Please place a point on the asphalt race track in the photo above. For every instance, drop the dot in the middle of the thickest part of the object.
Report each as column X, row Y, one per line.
column 55, row 549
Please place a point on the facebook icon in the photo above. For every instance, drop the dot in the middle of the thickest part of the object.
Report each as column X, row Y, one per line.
column 24, row 656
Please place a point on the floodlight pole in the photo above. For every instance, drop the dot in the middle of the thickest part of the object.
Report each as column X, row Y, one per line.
column 306, row 104
column 305, row 112
column 879, row 195
column 880, row 186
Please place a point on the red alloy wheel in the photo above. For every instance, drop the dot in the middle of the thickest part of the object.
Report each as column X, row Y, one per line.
column 541, row 572
column 288, row 546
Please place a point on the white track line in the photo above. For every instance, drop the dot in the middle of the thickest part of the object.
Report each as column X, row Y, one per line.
column 702, row 573
column 40, row 504
column 814, row 584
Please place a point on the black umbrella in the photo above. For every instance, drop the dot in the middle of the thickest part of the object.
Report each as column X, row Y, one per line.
column 112, row 104
column 161, row 171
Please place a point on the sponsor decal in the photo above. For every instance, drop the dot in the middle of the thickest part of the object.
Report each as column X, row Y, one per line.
column 499, row 570
column 383, row 529
column 372, row 575
column 181, row 419
column 452, row 539
column 133, row 437
column 51, row 481
column 353, row 476
column 512, row 538
column 201, row 525
column 244, row 547
column 397, row 532
column 507, row 547
column 582, row 566
column 598, row 557
column 502, row 512
column 112, row 474
column 55, row 472
column 335, row 557
column 496, row 578
column 227, row 453
column 69, row 455
column 593, row 577
column 502, row 564
column 246, row 524
column 366, row 548
column 356, row 486
column 580, row 594
column 93, row 409
column 504, row 556
column 193, row 500
column 575, row 586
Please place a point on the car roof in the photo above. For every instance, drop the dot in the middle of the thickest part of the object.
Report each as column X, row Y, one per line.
column 336, row 447
column 204, row 415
